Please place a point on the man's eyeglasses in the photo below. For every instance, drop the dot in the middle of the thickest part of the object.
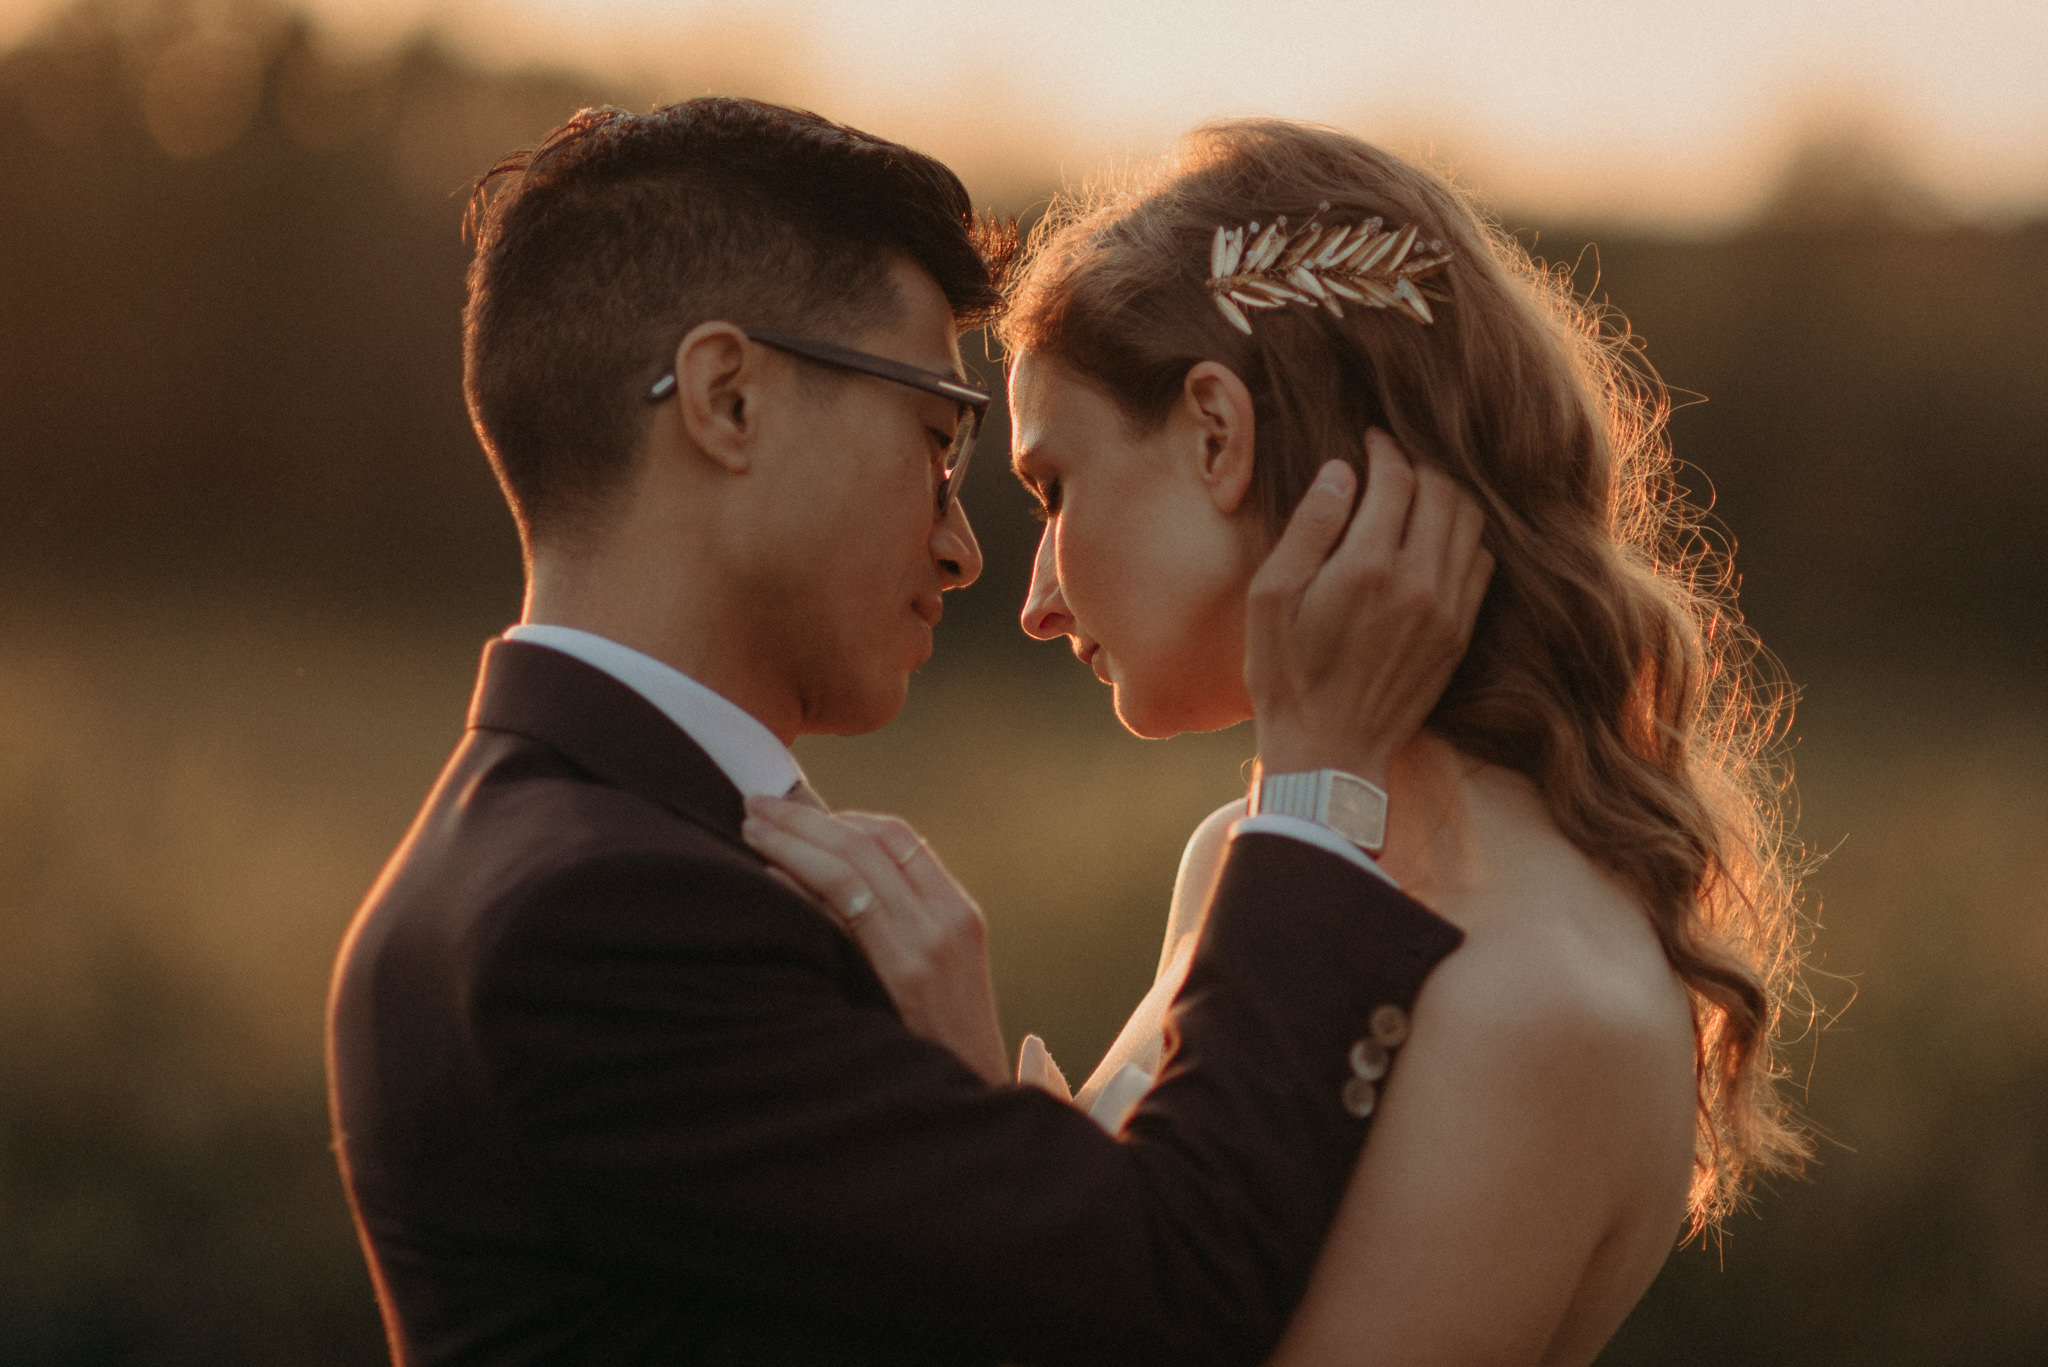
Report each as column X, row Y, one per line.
column 973, row 402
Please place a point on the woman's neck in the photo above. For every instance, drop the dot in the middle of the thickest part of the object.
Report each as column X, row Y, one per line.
column 1428, row 815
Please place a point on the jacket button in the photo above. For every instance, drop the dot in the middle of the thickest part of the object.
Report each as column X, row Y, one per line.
column 1369, row 1059
column 1360, row 1097
column 1389, row 1025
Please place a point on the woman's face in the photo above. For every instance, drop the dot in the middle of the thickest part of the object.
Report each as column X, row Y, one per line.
column 1143, row 566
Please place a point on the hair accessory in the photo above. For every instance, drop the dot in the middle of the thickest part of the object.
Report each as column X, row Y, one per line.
column 1366, row 263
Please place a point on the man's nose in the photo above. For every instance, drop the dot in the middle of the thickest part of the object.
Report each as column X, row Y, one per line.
column 955, row 549
column 1045, row 608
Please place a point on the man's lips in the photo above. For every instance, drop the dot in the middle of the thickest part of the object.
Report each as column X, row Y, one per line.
column 929, row 610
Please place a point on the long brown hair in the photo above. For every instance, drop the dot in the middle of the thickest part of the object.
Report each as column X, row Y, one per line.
column 1610, row 664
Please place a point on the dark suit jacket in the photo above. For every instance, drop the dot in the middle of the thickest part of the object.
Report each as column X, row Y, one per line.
column 603, row 1092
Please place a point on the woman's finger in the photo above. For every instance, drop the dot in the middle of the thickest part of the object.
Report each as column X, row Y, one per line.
column 920, row 864
column 775, row 872
column 941, row 909
column 1035, row 1068
column 893, row 834
column 840, row 838
column 817, row 872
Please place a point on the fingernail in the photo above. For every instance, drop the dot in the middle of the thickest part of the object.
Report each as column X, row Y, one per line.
column 1335, row 477
column 753, row 828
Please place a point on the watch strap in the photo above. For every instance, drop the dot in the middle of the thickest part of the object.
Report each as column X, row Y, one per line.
column 1346, row 803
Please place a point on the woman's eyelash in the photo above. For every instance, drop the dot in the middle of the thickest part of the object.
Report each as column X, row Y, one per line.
column 1048, row 500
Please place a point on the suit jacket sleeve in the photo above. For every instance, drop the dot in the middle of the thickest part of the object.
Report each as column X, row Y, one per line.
column 670, row 1040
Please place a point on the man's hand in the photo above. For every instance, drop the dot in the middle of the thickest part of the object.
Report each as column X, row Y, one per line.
column 1347, row 650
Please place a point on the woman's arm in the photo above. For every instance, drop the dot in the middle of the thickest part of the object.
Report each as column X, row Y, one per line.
column 1138, row 1044
column 1528, row 1120
column 1199, row 863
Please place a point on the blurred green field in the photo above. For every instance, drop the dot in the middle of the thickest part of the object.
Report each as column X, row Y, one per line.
column 249, row 552
column 193, row 794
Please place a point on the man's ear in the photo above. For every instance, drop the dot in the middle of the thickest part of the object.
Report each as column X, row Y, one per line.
column 1218, row 411
column 718, row 392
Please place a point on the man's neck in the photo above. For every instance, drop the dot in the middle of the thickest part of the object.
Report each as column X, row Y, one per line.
column 660, row 617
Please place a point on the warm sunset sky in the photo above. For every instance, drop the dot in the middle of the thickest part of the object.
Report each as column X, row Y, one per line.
column 1667, row 110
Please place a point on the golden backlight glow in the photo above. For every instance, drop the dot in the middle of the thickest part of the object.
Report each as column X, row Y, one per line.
column 1654, row 112
column 249, row 548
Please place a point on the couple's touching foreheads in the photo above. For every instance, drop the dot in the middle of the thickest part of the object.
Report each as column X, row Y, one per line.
column 640, row 1053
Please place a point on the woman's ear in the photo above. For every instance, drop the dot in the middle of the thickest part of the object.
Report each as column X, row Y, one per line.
column 718, row 393
column 1218, row 410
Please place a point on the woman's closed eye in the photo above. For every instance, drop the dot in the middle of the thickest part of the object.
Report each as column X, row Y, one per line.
column 1047, row 492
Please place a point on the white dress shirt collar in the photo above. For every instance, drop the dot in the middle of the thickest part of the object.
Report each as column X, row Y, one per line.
column 748, row 752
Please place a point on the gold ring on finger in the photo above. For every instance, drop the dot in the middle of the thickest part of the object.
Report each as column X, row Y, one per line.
column 904, row 856
column 857, row 905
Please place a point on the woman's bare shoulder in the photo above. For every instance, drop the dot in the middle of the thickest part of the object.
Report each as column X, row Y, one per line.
column 1520, row 999
column 1561, row 967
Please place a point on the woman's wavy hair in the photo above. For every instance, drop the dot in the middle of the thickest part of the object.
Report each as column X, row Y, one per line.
column 1609, row 664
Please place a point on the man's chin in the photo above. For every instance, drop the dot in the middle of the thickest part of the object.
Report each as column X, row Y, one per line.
column 856, row 712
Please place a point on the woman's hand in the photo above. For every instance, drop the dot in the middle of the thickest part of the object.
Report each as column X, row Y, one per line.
column 1035, row 1068
column 1348, row 649
column 920, row 930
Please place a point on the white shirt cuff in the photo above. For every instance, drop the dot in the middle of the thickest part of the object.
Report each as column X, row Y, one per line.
column 1322, row 837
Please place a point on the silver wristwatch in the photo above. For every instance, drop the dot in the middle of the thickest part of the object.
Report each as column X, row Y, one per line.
column 1346, row 803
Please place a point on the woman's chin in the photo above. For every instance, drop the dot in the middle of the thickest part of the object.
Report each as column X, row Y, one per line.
column 1157, row 718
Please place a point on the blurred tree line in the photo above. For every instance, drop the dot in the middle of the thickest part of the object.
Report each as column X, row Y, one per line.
column 230, row 273
column 230, row 280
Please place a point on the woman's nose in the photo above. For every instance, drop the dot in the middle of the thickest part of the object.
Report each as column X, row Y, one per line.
column 1045, row 609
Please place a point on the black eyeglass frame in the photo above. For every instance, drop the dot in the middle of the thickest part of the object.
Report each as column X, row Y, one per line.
column 974, row 402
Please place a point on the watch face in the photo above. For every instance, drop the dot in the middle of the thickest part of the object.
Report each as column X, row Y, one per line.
column 1357, row 810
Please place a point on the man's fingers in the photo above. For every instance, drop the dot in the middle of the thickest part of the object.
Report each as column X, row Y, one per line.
column 1314, row 528
column 1390, row 486
column 1431, row 520
column 1477, row 577
column 1461, row 547
column 1467, row 564
column 1377, row 527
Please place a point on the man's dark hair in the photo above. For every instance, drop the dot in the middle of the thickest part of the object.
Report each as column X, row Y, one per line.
column 599, row 248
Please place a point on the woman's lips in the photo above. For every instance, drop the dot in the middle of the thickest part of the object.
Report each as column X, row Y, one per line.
column 1091, row 655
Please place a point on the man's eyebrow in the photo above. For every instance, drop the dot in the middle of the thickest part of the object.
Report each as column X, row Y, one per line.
column 1021, row 456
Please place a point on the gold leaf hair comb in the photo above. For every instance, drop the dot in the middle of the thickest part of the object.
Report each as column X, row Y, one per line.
column 1365, row 263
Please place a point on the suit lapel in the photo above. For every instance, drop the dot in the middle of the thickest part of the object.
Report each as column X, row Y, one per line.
column 614, row 734
column 605, row 728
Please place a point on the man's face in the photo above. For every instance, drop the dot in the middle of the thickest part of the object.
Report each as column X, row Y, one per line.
column 854, row 560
